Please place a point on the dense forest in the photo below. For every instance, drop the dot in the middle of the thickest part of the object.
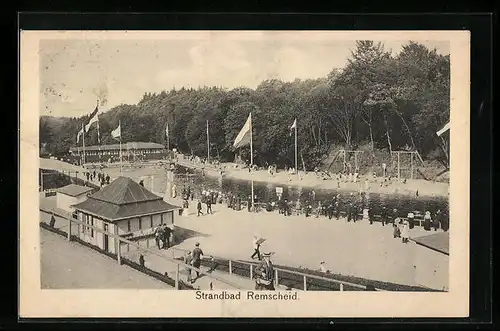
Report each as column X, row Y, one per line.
column 378, row 100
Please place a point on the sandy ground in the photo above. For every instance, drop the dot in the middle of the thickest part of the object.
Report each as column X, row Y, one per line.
column 357, row 249
column 310, row 180
column 66, row 265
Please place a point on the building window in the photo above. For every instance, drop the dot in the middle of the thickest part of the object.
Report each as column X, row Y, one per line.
column 92, row 224
column 128, row 225
column 140, row 223
column 151, row 221
column 161, row 218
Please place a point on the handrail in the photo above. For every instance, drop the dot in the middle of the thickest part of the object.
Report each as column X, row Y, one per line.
column 287, row 271
column 121, row 239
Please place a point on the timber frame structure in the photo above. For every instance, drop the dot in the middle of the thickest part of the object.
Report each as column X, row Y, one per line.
column 414, row 155
column 346, row 154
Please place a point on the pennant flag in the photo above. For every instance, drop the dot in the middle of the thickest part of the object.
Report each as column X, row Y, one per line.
column 243, row 138
column 78, row 135
column 117, row 133
column 294, row 126
column 444, row 129
column 93, row 118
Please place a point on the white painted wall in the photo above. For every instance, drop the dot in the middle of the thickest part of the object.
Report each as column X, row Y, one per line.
column 64, row 201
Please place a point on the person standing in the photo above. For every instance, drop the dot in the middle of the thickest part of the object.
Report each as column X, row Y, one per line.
column 411, row 219
column 405, row 231
column 198, row 207
column 209, row 205
column 158, row 234
column 256, row 247
column 427, row 221
column 383, row 215
column 107, row 179
column 319, row 210
column 437, row 220
column 265, row 274
column 197, row 256
column 188, row 260
column 167, row 232
column 52, row 222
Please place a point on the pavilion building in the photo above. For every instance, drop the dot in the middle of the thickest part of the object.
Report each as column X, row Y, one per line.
column 131, row 151
column 124, row 208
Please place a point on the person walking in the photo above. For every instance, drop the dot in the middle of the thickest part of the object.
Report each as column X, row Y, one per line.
column 197, row 256
column 383, row 215
column 198, row 207
column 209, row 205
column 411, row 219
column 107, row 179
column 265, row 274
column 256, row 247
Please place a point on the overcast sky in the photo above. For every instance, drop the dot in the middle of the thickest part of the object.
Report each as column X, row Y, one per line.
column 74, row 73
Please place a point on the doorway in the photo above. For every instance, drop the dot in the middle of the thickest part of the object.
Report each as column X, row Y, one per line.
column 106, row 239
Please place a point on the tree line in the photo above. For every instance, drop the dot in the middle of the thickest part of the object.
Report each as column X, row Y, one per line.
column 388, row 102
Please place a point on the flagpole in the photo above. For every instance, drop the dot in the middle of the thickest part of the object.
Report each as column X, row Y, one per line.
column 251, row 157
column 296, row 158
column 208, row 145
column 120, row 126
column 83, row 133
column 168, row 138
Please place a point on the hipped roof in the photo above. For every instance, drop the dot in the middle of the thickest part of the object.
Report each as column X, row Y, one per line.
column 74, row 190
column 122, row 199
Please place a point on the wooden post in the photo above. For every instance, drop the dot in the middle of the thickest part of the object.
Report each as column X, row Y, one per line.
column 230, row 267
column 305, row 283
column 411, row 164
column 341, row 287
column 177, row 277
column 276, row 278
column 119, row 251
column 69, row 228
column 251, row 271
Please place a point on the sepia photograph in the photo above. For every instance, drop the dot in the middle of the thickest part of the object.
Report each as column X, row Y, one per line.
column 245, row 167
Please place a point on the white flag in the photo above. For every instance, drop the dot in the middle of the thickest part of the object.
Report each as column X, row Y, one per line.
column 243, row 137
column 92, row 121
column 294, row 126
column 93, row 118
column 117, row 133
column 444, row 129
column 78, row 135
column 166, row 131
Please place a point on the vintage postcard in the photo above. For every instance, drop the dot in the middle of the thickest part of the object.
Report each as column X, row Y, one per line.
column 244, row 173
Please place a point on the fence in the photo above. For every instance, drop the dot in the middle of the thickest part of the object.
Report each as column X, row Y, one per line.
column 249, row 269
column 119, row 241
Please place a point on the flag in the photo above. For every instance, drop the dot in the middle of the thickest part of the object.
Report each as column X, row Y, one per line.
column 294, row 126
column 78, row 135
column 117, row 133
column 243, row 138
column 444, row 129
column 166, row 131
column 93, row 118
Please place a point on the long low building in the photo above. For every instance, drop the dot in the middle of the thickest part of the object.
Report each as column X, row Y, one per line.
column 131, row 151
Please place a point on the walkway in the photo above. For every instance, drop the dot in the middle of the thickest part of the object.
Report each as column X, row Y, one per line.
column 69, row 265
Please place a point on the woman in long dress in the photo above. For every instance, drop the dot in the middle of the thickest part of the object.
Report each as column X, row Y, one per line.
column 427, row 221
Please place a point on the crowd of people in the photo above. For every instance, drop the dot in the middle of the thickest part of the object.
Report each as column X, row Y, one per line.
column 101, row 178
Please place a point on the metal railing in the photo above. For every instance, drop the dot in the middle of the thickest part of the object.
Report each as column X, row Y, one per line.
column 119, row 240
column 304, row 276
